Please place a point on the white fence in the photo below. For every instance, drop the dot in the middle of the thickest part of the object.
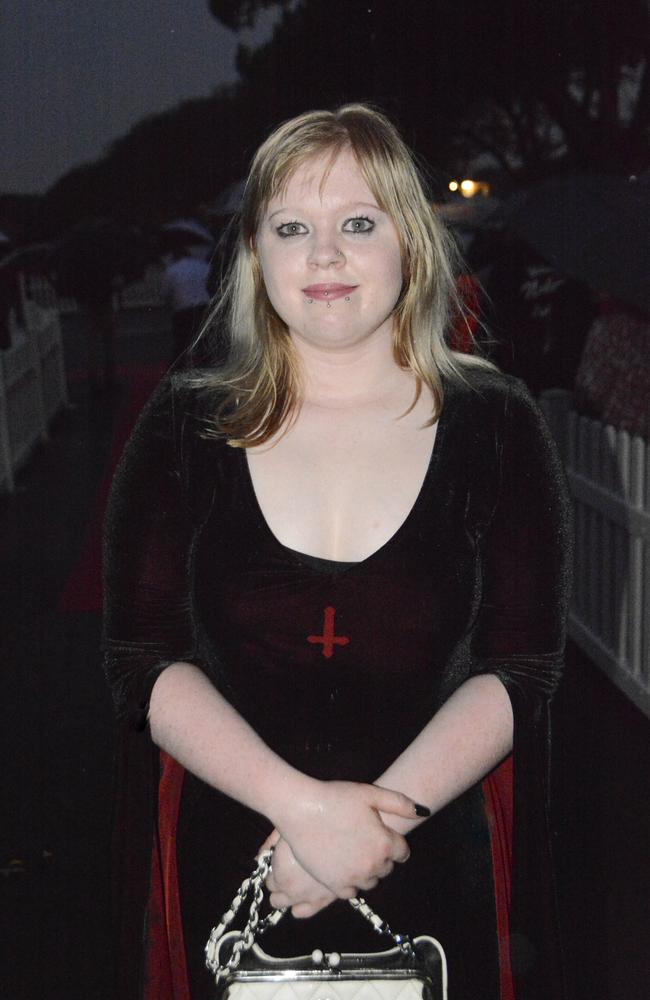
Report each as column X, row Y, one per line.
column 32, row 371
column 32, row 387
column 609, row 475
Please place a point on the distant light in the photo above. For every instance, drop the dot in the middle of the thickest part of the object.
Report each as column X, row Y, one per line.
column 469, row 188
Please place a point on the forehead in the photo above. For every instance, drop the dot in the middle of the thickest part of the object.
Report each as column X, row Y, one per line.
column 325, row 178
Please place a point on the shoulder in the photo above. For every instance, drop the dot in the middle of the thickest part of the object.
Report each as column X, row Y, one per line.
column 169, row 453
column 175, row 416
column 494, row 415
column 487, row 394
column 484, row 383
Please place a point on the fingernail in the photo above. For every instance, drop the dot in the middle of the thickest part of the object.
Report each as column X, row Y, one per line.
column 421, row 810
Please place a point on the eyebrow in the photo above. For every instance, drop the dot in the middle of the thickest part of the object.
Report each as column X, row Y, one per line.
column 352, row 204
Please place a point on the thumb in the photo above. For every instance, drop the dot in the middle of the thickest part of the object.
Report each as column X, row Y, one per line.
column 396, row 803
column 270, row 842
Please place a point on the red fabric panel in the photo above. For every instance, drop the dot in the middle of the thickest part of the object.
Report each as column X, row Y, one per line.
column 497, row 788
column 166, row 976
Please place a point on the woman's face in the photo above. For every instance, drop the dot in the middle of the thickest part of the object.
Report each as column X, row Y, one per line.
column 330, row 258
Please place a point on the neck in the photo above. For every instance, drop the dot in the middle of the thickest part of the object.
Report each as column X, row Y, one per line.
column 353, row 374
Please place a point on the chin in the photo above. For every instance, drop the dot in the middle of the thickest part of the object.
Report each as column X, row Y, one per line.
column 328, row 335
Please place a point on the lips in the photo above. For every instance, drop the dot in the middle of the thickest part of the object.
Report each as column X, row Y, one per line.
column 328, row 291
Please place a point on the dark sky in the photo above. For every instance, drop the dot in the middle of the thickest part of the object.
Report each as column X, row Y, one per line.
column 76, row 74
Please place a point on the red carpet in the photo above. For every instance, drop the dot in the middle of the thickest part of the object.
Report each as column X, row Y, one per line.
column 83, row 591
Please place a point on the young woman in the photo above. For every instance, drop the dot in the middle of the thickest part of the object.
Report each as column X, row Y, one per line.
column 336, row 578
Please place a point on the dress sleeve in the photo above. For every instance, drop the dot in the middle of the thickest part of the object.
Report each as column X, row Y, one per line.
column 147, row 562
column 526, row 577
column 520, row 635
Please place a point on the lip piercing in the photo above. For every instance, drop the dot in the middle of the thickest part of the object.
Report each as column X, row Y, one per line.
column 329, row 305
column 339, row 253
column 347, row 298
column 326, row 293
column 310, row 301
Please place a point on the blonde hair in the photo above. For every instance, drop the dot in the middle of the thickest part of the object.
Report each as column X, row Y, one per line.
column 259, row 384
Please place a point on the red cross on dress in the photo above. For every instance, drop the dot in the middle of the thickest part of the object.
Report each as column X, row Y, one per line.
column 329, row 639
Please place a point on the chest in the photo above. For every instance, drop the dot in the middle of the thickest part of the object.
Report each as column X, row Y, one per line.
column 372, row 634
column 339, row 486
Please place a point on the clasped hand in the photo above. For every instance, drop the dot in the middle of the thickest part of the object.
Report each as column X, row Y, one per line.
column 333, row 843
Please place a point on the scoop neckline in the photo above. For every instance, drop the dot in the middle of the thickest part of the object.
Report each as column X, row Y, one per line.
column 347, row 567
column 318, row 563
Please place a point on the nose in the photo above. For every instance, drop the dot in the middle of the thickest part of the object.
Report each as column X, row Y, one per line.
column 325, row 253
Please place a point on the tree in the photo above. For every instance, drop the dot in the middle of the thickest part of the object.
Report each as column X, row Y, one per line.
column 554, row 76
column 534, row 83
column 166, row 165
column 238, row 14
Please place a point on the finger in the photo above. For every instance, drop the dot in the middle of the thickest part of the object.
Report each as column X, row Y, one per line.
column 279, row 900
column 400, row 851
column 367, row 884
column 387, row 868
column 386, row 800
column 302, row 911
column 347, row 892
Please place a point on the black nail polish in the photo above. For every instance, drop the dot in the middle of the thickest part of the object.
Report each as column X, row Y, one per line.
column 421, row 810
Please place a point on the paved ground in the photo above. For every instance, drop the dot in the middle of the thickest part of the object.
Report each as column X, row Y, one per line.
column 56, row 724
column 56, row 733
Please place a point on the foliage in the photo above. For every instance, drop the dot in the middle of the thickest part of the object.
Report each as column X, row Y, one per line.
column 19, row 217
column 537, row 85
column 167, row 165
column 238, row 14
column 530, row 82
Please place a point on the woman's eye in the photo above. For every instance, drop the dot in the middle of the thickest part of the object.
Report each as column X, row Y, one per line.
column 291, row 229
column 359, row 224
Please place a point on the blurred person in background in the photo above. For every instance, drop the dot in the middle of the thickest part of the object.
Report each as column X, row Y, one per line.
column 93, row 261
column 185, row 287
column 537, row 316
column 613, row 380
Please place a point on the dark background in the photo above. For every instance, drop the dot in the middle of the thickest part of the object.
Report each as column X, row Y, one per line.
column 527, row 88
column 510, row 91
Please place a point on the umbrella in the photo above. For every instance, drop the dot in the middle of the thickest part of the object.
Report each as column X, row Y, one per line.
column 595, row 227
column 33, row 257
column 471, row 213
column 186, row 231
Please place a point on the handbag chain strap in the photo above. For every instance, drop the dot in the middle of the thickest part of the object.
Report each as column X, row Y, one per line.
column 254, row 886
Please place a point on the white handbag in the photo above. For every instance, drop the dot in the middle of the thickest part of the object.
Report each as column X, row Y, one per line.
column 413, row 969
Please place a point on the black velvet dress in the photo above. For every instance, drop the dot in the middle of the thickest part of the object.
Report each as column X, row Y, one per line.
column 338, row 667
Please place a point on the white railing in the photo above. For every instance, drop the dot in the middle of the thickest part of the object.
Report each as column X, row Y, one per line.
column 32, row 387
column 609, row 476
